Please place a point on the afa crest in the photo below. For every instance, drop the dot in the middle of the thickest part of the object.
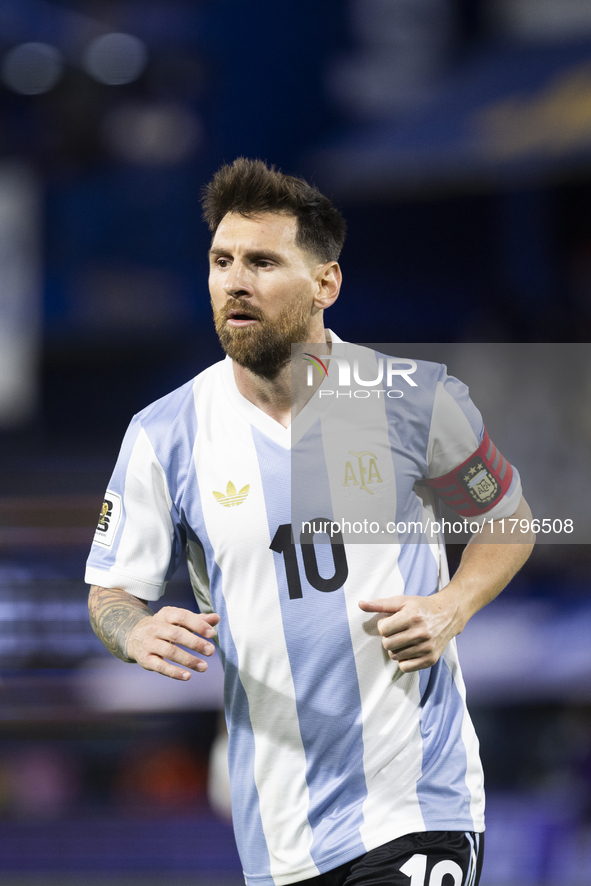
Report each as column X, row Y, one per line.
column 364, row 472
column 479, row 483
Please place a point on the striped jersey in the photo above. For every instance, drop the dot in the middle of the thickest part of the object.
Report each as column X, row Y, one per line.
column 333, row 750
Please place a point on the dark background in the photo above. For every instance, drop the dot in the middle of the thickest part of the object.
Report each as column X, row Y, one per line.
column 456, row 139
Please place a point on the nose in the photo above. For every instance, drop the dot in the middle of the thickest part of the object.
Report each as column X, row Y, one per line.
column 236, row 282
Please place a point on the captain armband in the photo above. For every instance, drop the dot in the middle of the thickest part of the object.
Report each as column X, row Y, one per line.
column 477, row 484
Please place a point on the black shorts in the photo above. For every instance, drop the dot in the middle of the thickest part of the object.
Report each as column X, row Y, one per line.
column 430, row 858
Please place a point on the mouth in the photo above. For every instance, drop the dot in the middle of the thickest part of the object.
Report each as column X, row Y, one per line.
column 238, row 318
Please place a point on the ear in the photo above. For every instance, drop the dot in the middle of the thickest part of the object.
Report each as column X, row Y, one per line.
column 329, row 284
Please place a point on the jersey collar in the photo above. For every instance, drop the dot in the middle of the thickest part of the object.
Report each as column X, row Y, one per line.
column 255, row 416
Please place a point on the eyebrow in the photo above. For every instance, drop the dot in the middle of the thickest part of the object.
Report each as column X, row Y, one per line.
column 253, row 255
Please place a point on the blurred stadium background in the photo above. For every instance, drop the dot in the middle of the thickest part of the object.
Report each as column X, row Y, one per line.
column 456, row 137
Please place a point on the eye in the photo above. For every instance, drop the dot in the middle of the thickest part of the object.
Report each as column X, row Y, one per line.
column 222, row 262
column 264, row 263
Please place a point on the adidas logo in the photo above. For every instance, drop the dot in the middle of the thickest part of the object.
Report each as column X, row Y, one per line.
column 232, row 498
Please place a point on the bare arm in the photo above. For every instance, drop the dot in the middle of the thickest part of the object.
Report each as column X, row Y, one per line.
column 113, row 615
column 132, row 632
column 487, row 567
column 416, row 630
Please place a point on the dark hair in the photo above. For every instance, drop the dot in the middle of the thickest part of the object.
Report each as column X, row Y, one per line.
column 250, row 186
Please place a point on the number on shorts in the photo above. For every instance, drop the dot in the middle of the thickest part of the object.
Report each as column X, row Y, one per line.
column 416, row 869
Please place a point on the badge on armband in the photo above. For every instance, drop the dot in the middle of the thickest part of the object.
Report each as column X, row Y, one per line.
column 478, row 483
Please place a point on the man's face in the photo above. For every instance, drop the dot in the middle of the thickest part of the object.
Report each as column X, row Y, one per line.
column 262, row 290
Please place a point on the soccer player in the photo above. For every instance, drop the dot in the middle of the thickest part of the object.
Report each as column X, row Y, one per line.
column 352, row 756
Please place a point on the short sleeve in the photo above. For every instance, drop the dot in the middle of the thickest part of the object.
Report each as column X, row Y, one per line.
column 466, row 470
column 138, row 540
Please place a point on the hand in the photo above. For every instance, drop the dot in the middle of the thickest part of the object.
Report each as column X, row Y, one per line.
column 417, row 630
column 160, row 636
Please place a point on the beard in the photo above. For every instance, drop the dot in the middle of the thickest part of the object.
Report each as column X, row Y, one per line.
column 265, row 347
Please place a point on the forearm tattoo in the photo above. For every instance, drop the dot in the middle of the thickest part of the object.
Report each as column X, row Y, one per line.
column 113, row 615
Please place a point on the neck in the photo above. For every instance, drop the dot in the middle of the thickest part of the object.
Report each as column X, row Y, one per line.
column 283, row 397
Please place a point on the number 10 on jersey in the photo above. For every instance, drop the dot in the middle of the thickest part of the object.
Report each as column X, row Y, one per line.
column 283, row 543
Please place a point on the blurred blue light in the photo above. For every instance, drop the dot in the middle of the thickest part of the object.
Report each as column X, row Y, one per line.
column 115, row 59
column 32, row 68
